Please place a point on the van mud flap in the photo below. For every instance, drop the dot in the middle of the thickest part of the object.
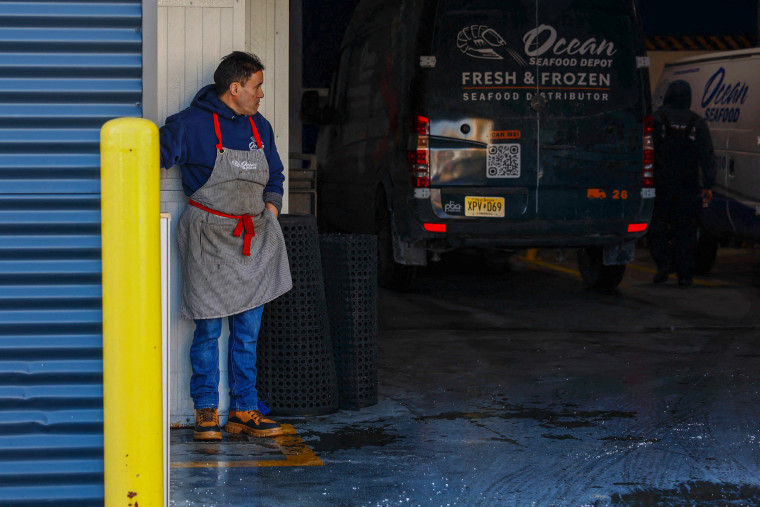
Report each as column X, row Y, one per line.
column 619, row 253
column 408, row 254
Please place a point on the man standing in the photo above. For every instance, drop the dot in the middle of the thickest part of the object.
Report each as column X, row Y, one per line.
column 682, row 146
column 231, row 246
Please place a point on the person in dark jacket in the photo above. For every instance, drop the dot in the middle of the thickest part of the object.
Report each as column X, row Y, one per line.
column 231, row 247
column 682, row 146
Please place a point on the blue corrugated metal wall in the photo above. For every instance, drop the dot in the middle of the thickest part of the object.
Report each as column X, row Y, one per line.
column 66, row 67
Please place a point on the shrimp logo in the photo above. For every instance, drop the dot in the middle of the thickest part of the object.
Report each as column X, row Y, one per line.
column 480, row 41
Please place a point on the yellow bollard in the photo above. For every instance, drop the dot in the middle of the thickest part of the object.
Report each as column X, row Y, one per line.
column 132, row 392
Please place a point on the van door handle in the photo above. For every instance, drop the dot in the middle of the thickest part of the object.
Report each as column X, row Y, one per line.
column 731, row 167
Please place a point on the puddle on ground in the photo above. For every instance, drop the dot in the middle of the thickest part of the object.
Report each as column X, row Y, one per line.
column 505, row 440
column 352, row 437
column 692, row 493
column 567, row 418
column 559, row 437
column 631, row 438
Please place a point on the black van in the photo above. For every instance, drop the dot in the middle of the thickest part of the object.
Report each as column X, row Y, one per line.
column 489, row 123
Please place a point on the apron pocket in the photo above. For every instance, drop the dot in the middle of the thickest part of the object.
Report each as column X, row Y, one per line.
column 220, row 246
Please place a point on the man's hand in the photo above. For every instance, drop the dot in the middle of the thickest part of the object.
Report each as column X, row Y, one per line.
column 273, row 209
column 706, row 195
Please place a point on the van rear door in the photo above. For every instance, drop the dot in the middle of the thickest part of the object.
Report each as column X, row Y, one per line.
column 483, row 132
column 584, row 57
column 538, row 104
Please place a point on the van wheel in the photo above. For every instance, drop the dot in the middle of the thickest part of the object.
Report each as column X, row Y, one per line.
column 390, row 274
column 596, row 276
column 706, row 252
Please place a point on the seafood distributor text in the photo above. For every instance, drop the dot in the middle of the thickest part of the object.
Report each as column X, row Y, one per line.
column 552, row 95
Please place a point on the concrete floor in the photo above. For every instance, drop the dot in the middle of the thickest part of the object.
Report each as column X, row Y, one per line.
column 511, row 385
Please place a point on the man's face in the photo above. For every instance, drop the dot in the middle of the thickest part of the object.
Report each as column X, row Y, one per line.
column 245, row 98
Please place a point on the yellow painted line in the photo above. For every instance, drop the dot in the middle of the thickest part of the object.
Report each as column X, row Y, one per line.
column 296, row 452
column 531, row 258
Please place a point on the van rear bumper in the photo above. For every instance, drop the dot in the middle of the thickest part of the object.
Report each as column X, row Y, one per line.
column 606, row 226
column 524, row 234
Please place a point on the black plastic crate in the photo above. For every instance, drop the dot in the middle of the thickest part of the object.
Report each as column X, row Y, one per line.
column 349, row 265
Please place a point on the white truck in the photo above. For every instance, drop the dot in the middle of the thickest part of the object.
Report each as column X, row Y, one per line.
column 726, row 92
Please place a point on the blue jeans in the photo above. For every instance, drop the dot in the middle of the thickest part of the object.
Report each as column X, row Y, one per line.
column 241, row 361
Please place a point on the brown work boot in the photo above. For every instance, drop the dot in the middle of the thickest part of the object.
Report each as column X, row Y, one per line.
column 207, row 425
column 251, row 422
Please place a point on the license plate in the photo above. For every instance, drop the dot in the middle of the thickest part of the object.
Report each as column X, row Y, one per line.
column 484, row 206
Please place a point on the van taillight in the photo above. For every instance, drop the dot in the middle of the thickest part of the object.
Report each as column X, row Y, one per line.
column 435, row 227
column 647, row 164
column 419, row 152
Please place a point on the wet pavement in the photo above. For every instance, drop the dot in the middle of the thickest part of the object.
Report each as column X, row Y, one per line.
column 506, row 383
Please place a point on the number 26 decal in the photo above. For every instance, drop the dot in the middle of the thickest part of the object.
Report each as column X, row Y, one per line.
column 599, row 193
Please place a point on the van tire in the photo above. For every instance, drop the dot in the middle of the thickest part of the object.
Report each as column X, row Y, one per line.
column 705, row 253
column 596, row 276
column 390, row 274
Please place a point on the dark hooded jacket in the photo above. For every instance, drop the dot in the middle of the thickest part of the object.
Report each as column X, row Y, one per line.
column 188, row 140
column 680, row 172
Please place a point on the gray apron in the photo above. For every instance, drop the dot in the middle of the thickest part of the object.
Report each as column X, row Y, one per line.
column 231, row 247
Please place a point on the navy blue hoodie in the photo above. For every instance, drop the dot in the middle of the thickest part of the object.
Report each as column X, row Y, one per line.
column 188, row 140
column 675, row 107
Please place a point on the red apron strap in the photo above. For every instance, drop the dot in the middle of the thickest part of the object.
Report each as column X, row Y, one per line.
column 244, row 225
column 255, row 133
column 218, row 132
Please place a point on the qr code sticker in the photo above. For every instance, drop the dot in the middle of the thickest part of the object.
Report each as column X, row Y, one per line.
column 503, row 161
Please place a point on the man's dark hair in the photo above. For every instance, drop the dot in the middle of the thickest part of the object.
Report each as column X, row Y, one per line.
column 237, row 66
